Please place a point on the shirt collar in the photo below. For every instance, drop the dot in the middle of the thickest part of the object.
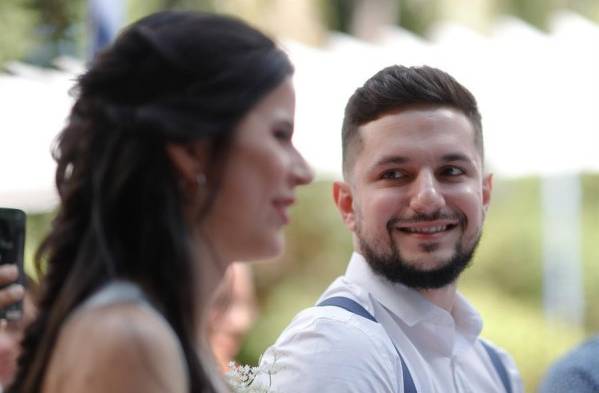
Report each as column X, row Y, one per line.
column 409, row 305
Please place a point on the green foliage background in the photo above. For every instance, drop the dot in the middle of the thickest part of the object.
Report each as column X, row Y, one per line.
column 37, row 31
column 17, row 37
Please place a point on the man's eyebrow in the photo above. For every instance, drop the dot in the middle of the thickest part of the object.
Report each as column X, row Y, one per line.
column 386, row 160
column 453, row 157
column 398, row 160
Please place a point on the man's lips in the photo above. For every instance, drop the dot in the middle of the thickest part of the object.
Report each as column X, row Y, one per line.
column 427, row 228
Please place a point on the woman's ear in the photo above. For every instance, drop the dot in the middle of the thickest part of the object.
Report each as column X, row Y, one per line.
column 189, row 159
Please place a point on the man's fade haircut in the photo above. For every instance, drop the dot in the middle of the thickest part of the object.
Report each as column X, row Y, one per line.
column 398, row 87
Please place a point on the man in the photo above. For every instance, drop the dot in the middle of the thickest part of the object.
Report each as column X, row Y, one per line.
column 414, row 197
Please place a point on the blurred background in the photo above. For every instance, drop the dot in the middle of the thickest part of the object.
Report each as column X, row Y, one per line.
column 532, row 64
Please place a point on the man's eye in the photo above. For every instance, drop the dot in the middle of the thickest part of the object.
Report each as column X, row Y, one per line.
column 452, row 171
column 393, row 175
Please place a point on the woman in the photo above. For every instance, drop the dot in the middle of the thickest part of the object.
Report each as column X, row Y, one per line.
column 176, row 160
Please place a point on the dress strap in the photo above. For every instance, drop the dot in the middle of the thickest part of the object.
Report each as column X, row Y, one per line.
column 116, row 292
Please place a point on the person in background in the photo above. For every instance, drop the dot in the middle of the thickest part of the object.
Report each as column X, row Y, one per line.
column 176, row 160
column 232, row 314
column 414, row 196
column 11, row 291
column 575, row 372
column 11, row 333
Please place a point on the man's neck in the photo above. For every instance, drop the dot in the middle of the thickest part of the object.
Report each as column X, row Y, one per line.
column 442, row 297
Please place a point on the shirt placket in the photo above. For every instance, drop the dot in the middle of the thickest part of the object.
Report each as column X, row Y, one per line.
column 460, row 381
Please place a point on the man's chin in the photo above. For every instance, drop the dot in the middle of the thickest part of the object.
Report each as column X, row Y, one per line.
column 421, row 266
column 426, row 263
column 419, row 272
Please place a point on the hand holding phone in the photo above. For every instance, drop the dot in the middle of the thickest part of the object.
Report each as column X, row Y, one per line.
column 12, row 247
column 11, row 292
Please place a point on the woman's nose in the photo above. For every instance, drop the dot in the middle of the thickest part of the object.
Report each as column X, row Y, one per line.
column 302, row 172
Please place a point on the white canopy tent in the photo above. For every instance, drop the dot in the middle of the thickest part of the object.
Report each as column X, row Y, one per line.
column 34, row 105
column 538, row 94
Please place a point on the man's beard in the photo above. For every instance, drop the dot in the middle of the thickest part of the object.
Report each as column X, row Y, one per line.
column 393, row 267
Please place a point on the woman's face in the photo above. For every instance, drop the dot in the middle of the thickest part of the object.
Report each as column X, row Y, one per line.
column 259, row 180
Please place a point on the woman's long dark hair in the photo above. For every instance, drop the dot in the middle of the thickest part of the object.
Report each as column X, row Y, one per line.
column 170, row 77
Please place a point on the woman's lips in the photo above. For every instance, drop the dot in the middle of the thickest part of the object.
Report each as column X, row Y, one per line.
column 281, row 206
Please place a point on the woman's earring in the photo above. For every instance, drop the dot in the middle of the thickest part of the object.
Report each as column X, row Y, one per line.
column 200, row 180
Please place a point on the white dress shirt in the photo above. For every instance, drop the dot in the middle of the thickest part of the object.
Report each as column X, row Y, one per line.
column 328, row 349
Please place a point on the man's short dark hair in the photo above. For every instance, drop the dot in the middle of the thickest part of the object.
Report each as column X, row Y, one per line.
column 398, row 87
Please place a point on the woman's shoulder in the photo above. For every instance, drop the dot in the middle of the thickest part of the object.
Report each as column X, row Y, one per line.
column 118, row 347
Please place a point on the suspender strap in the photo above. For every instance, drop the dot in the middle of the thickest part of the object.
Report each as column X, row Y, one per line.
column 499, row 366
column 356, row 308
column 349, row 305
column 409, row 387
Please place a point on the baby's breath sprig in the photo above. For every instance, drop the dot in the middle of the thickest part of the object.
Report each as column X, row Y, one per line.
column 247, row 379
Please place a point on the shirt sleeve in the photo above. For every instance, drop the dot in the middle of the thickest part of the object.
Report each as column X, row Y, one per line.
column 578, row 371
column 322, row 354
column 566, row 379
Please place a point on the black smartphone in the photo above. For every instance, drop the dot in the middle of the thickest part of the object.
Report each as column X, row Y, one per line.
column 12, row 249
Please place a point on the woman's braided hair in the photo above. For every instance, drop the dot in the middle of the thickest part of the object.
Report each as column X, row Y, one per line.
column 170, row 77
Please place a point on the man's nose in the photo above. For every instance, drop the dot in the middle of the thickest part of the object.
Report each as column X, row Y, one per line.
column 426, row 196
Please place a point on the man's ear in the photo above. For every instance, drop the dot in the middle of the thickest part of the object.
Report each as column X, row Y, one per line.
column 189, row 160
column 345, row 203
column 487, row 188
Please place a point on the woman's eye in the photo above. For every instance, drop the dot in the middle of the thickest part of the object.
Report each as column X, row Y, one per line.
column 283, row 135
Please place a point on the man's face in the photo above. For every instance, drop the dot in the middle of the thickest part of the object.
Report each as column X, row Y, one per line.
column 416, row 196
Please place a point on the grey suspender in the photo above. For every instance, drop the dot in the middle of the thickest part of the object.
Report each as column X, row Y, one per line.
column 499, row 366
column 409, row 387
column 354, row 307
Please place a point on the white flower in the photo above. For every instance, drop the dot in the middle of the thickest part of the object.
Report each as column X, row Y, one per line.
column 247, row 379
